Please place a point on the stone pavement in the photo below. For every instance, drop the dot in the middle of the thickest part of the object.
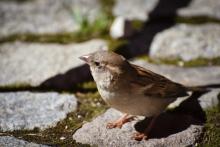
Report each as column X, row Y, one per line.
column 37, row 79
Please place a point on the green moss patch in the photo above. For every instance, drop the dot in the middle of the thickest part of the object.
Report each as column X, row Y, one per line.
column 196, row 20
column 211, row 136
column 115, row 44
column 107, row 7
column 203, row 62
column 179, row 62
column 18, row 87
column 88, row 32
column 87, row 86
column 90, row 105
column 137, row 24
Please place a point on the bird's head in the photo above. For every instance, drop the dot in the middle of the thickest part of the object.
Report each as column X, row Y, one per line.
column 105, row 64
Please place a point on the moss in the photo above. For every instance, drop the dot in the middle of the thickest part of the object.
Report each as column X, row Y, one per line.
column 137, row 24
column 194, row 62
column 90, row 105
column 63, row 38
column 179, row 62
column 87, row 86
column 16, row 87
column 196, row 20
column 203, row 62
column 211, row 137
column 107, row 7
column 145, row 57
column 114, row 44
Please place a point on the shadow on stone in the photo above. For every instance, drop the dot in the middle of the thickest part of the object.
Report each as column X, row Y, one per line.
column 173, row 121
column 168, row 8
column 161, row 18
column 68, row 80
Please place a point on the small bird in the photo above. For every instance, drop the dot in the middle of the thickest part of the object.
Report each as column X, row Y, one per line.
column 132, row 89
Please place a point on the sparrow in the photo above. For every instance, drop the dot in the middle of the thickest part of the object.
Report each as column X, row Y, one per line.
column 131, row 89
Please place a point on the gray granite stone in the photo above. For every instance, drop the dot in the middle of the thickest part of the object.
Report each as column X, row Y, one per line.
column 121, row 28
column 33, row 63
column 95, row 132
column 134, row 10
column 187, row 42
column 26, row 110
column 45, row 16
column 191, row 76
column 210, row 99
column 208, row 8
column 8, row 141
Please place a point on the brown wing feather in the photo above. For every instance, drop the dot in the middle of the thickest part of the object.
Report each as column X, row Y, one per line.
column 156, row 85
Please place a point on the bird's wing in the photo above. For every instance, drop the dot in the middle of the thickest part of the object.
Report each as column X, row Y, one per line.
column 155, row 85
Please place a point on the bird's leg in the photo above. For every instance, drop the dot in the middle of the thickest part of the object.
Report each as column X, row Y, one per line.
column 139, row 136
column 120, row 122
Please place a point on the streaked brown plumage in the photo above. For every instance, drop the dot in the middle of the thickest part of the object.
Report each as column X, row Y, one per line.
column 165, row 88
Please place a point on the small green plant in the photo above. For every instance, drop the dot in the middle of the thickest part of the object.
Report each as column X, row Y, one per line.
column 97, row 27
column 211, row 137
column 192, row 63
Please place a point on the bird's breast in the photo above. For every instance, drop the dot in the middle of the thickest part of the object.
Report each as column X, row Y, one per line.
column 109, row 96
column 134, row 104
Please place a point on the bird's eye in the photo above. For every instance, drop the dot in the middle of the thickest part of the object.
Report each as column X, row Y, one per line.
column 97, row 63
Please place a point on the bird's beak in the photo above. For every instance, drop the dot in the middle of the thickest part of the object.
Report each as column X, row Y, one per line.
column 85, row 58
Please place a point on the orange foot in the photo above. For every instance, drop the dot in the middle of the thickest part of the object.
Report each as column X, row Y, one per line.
column 139, row 136
column 119, row 122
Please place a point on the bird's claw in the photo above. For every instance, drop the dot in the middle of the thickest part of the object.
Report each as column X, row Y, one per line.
column 112, row 125
column 139, row 136
column 120, row 122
